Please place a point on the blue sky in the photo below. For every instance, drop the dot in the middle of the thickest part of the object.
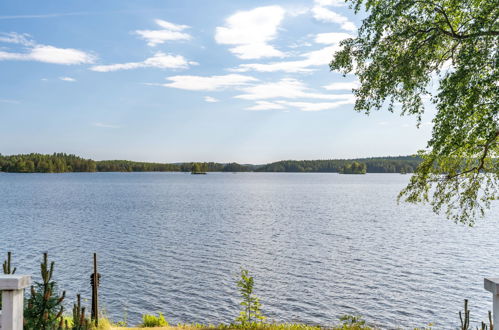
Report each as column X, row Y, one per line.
column 169, row 81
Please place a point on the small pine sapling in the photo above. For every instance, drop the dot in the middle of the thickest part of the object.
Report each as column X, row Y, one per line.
column 44, row 308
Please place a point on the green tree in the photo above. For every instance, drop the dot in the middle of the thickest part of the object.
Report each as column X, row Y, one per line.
column 251, row 313
column 196, row 168
column 44, row 307
column 402, row 47
column 354, row 168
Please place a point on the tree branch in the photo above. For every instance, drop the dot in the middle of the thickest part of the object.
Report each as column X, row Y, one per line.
column 481, row 163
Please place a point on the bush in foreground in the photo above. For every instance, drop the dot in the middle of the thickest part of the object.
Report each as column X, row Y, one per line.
column 149, row 321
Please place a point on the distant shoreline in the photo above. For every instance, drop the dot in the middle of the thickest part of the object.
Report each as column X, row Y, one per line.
column 64, row 163
column 219, row 172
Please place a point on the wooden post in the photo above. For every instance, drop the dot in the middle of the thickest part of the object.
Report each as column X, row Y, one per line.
column 95, row 292
column 492, row 285
column 12, row 287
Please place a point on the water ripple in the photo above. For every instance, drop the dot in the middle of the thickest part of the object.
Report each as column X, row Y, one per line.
column 319, row 245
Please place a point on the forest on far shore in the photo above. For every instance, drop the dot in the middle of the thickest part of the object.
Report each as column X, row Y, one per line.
column 62, row 163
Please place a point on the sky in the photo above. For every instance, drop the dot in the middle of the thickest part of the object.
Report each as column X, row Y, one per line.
column 185, row 80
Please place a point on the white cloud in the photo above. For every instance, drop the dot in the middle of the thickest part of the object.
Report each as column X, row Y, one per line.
column 338, row 86
column 208, row 83
column 315, row 106
column 171, row 26
column 210, row 99
column 300, row 105
column 331, row 38
column 169, row 32
column 16, row 38
column 323, row 14
column 69, row 79
column 332, row 3
column 50, row 54
column 104, row 125
column 250, row 31
column 265, row 105
column 287, row 88
column 315, row 58
column 159, row 60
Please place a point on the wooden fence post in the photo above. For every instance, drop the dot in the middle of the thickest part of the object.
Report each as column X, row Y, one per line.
column 12, row 287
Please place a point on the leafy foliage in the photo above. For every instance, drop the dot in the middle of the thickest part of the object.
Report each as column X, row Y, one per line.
column 197, row 168
column 61, row 163
column 55, row 163
column 71, row 163
column 153, row 321
column 44, row 307
column 79, row 321
column 354, row 168
column 129, row 166
column 402, row 164
column 351, row 322
column 251, row 308
column 402, row 48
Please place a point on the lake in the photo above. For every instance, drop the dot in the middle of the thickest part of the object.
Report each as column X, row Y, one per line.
column 318, row 245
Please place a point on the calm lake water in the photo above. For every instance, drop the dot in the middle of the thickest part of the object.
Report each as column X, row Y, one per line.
column 319, row 245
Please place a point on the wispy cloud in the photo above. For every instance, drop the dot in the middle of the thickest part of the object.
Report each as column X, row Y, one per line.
column 9, row 101
column 42, row 53
column 4, row 17
column 169, row 31
column 332, row 3
column 159, row 60
column 16, row 38
column 266, row 105
column 208, row 83
column 300, row 105
column 331, row 38
column 210, row 99
column 289, row 88
column 68, row 79
column 251, row 31
column 322, row 13
column 310, row 60
column 104, row 125
column 341, row 86
column 315, row 106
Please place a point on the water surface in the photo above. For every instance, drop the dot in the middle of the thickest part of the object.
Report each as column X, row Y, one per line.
column 319, row 245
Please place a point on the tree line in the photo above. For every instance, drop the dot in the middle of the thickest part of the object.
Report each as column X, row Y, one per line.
column 61, row 163
column 55, row 163
column 401, row 164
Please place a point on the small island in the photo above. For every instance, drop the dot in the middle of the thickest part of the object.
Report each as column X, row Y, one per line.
column 354, row 168
column 197, row 169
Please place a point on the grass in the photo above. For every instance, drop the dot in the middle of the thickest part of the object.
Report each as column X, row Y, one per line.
column 290, row 326
column 268, row 327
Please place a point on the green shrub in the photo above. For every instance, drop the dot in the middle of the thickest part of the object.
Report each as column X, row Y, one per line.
column 351, row 322
column 149, row 321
